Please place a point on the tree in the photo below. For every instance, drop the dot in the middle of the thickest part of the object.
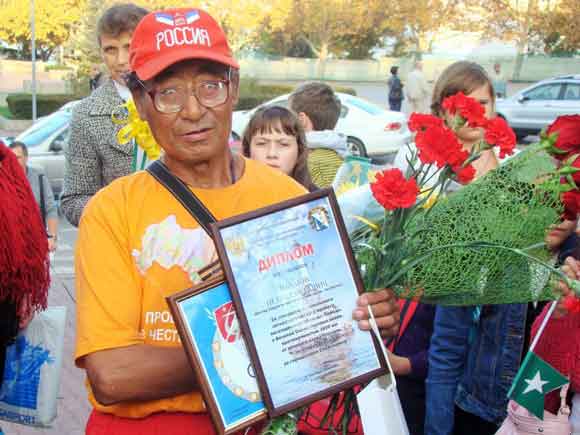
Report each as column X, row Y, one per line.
column 343, row 28
column 369, row 22
column 54, row 21
column 560, row 27
column 240, row 19
column 511, row 20
column 416, row 23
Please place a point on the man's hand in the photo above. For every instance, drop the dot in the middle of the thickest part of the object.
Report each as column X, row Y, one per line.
column 571, row 269
column 385, row 308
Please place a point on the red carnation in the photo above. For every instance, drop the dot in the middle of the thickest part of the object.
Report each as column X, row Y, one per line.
column 499, row 133
column 568, row 128
column 466, row 107
column 466, row 174
column 393, row 191
column 420, row 121
column 438, row 144
column 576, row 176
column 571, row 201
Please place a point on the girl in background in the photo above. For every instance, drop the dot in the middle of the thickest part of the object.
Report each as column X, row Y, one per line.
column 275, row 137
column 475, row 352
column 436, row 347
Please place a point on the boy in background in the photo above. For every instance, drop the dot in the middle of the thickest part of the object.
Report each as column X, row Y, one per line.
column 318, row 110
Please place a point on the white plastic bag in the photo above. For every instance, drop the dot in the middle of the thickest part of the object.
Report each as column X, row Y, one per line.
column 380, row 408
column 32, row 372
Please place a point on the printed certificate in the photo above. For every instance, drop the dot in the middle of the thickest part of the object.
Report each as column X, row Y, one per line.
column 295, row 283
column 208, row 326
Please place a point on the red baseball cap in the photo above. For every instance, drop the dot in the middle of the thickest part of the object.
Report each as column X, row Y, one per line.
column 169, row 36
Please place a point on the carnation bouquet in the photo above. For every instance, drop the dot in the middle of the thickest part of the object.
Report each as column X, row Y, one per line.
column 479, row 244
column 441, row 237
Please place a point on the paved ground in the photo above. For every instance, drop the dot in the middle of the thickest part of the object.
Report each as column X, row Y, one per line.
column 73, row 406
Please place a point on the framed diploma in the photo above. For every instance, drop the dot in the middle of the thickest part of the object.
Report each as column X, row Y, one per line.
column 294, row 283
column 209, row 330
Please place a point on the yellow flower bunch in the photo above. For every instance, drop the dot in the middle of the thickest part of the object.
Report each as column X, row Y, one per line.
column 135, row 128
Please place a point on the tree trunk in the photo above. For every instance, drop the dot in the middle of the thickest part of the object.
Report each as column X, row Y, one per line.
column 523, row 39
column 322, row 57
column 519, row 64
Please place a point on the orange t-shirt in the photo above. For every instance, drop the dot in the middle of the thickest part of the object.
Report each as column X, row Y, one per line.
column 137, row 244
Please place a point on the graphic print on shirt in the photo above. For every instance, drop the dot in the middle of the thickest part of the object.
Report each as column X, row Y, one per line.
column 169, row 245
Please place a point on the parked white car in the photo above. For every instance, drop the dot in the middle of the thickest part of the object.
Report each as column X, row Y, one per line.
column 537, row 106
column 370, row 129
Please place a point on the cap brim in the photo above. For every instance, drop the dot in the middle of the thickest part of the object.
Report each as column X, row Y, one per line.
column 153, row 67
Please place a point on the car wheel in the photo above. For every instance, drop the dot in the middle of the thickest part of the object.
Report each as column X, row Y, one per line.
column 355, row 147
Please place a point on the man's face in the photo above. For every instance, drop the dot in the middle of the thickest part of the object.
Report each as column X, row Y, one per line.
column 195, row 133
column 115, row 54
column 22, row 158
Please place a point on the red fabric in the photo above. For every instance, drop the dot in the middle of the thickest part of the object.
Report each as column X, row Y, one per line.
column 559, row 346
column 310, row 421
column 24, row 267
column 166, row 37
column 163, row 423
column 405, row 320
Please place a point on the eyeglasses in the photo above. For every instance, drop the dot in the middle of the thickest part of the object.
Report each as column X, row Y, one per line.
column 209, row 93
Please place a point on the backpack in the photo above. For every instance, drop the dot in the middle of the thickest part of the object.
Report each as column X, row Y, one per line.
column 395, row 89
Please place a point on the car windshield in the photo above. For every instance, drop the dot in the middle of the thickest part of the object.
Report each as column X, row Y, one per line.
column 368, row 107
column 44, row 128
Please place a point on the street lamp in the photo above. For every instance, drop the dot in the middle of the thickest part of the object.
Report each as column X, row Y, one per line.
column 33, row 49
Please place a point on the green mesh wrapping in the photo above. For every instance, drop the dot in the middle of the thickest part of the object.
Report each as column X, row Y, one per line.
column 512, row 207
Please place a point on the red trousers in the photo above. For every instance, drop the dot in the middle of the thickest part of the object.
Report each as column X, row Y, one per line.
column 164, row 423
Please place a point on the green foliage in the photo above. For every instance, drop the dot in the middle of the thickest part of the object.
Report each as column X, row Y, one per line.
column 78, row 82
column 57, row 67
column 253, row 94
column 344, row 90
column 20, row 105
column 5, row 112
column 54, row 19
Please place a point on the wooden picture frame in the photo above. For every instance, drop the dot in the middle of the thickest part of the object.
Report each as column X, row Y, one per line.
column 205, row 320
column 273, row 259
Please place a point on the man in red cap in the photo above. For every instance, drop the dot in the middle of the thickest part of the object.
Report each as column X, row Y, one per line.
column 137, row 244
